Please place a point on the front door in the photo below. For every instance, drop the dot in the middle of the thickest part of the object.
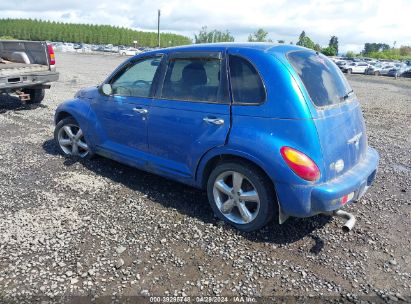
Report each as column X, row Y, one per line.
column 122, row 116
column 191, row 114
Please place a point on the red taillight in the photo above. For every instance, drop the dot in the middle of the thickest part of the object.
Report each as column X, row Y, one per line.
column 51, row 54
column 346, row 198
column 301, row 164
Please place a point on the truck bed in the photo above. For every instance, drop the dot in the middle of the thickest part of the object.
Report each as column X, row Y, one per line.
column 25, row 65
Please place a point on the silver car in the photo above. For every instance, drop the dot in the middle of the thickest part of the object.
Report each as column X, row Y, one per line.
column 374, row 69
column 398, row 70
column 386, row 68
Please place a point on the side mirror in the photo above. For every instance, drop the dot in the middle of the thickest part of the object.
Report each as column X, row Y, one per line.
column 106, row 89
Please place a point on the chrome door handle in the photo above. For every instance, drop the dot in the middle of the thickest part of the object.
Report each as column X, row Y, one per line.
column 215, row 121
column 140, row 110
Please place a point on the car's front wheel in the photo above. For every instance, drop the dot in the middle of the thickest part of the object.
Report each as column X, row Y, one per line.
column 241, row 195
column 70, row 139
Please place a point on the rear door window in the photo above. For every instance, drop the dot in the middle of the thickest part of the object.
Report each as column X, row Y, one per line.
column 246, row 84
column 323, row 80
column 193, row 79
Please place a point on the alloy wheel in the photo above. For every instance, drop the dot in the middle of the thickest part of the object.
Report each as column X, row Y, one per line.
column 236, row 197
column 72, row 142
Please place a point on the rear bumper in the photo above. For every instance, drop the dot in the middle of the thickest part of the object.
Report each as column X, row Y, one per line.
column 11, row 82
column 308, row 200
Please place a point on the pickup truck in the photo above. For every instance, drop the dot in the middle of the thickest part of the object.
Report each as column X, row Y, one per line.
column 26, row 69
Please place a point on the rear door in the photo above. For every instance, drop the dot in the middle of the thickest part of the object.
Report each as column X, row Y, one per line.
column 337, row 114
column 191, row 113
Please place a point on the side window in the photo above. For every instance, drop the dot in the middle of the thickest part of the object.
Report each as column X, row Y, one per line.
column 246, row 84
column 193, row 79
column 136, row 79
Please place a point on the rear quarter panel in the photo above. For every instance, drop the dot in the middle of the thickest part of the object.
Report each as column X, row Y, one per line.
column 259, row 131
column 263, row 138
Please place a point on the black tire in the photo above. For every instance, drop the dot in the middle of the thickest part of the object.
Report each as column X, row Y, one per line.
column 263, row 187
column 63, row 149
column 36, row 95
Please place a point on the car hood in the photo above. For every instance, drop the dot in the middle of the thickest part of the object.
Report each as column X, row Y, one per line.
column 87, row 93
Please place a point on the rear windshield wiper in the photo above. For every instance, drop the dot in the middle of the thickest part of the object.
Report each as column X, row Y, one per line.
column 346, row 96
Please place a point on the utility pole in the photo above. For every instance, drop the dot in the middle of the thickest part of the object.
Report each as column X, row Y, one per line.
column 158, row 28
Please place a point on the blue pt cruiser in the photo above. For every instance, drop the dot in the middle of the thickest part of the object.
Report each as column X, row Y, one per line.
column 265, row 129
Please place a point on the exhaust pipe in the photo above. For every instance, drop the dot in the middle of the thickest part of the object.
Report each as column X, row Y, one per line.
column 349, row 224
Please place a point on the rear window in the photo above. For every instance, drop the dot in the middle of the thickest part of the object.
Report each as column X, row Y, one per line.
column 321, row 77
column 246, row 84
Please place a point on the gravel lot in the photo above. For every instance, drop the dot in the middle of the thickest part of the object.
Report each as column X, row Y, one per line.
column 99, row 228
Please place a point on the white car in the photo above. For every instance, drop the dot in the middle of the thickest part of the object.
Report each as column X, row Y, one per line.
column 129, row 52
column 356, row 67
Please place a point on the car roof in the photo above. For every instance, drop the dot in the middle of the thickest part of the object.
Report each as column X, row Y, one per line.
column 263, row 47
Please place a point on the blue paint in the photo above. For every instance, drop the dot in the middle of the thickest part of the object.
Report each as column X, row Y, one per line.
column 174, row 141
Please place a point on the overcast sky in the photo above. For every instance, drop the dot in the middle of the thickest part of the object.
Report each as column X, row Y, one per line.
column 354, row 22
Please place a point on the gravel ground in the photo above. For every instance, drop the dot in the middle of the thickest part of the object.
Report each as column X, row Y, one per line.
column 99, row 228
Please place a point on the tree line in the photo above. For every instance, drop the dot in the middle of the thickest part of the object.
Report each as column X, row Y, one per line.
column 205, row 36
column 261, row 35
column 28, row 29
column 384, row 51
column 373, row 50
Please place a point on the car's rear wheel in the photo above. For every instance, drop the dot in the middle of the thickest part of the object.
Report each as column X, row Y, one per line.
column 70, row 139
column 36, row 95
column 241, row 195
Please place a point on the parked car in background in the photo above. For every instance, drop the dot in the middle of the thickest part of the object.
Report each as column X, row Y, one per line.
column 63, row 47
column 374, row 69
column 398, row 70
column 342, row 64
column 170, row 112
column 129, row 51
column 386, row 68
column 407, row 73
column 355, row 68
column 96, row 48
column 107, row 48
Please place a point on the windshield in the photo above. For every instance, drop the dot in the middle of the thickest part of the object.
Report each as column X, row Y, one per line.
column 323, row 80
